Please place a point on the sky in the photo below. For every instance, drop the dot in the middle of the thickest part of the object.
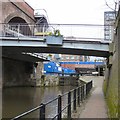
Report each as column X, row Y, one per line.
column 73, row 11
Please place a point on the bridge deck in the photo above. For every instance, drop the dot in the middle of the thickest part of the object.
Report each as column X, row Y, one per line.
column 68, row 46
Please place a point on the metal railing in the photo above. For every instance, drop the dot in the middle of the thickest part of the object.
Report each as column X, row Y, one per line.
column 66, row 104
column 69, row 31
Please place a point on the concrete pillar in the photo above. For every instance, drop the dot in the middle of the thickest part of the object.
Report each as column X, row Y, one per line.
column 38, row 73
column 39, row 70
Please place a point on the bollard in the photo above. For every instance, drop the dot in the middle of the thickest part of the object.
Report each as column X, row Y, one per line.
column 59, row 107
column 69, row 107
column 78, row 100
column 74, row 100
column 42, row 112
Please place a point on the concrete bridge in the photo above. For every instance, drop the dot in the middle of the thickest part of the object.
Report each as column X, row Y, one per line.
column 56, row 45
column 23, row 14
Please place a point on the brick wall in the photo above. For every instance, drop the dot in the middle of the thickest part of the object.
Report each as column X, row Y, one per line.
column 10, row 10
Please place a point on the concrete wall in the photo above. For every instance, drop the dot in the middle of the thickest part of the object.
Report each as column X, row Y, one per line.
column 56, row 80
column 21, row 73
column 68, row 80
column 48, row 80
column 16, row 73
column 112, row 75
column 52, row 80
column 39, row 70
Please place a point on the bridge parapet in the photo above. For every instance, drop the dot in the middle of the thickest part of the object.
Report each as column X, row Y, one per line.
column 78, row 32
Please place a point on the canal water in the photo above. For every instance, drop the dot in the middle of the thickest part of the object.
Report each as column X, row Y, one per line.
column 17, row 100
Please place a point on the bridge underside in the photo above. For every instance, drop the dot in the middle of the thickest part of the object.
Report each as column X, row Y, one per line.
column 22, row 57
column 57, row 50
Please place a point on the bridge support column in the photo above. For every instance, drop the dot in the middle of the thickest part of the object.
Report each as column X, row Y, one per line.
column 16, row 73
column 38, row 69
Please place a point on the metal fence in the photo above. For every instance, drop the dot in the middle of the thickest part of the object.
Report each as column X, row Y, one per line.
column 68, row 31
column 66, row 104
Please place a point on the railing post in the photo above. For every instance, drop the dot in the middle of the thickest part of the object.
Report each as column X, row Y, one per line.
column 42, row 112
column 78, row 100
column 81, row 93
column 69, row 106
column 91, row 84
column 43, row 31
column 4, row 30
column 74, row 100
column 18, row 30
column 86, row 89
column 59, row 107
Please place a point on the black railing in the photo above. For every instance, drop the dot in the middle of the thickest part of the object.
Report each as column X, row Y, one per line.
column 73, row 99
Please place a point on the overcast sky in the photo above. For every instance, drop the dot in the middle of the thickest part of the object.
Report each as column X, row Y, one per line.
column 73, row 11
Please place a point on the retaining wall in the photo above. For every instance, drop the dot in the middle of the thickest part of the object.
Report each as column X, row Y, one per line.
column 112, row 75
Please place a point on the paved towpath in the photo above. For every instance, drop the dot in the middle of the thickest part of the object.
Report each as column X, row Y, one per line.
column 94, row 106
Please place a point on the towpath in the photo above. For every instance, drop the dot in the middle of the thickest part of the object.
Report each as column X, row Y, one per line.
column 95, row 105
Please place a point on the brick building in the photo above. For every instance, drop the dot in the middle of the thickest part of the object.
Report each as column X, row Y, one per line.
column 74, row 58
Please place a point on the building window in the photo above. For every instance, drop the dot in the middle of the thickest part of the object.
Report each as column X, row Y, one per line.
column 72, row 57
column 62, row 58
column 107, row 32
column 85, row 58
column 77, row 57
column 81, row 58
column 67, row 57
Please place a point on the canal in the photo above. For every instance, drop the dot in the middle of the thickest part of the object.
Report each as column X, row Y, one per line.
column 17, row 100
